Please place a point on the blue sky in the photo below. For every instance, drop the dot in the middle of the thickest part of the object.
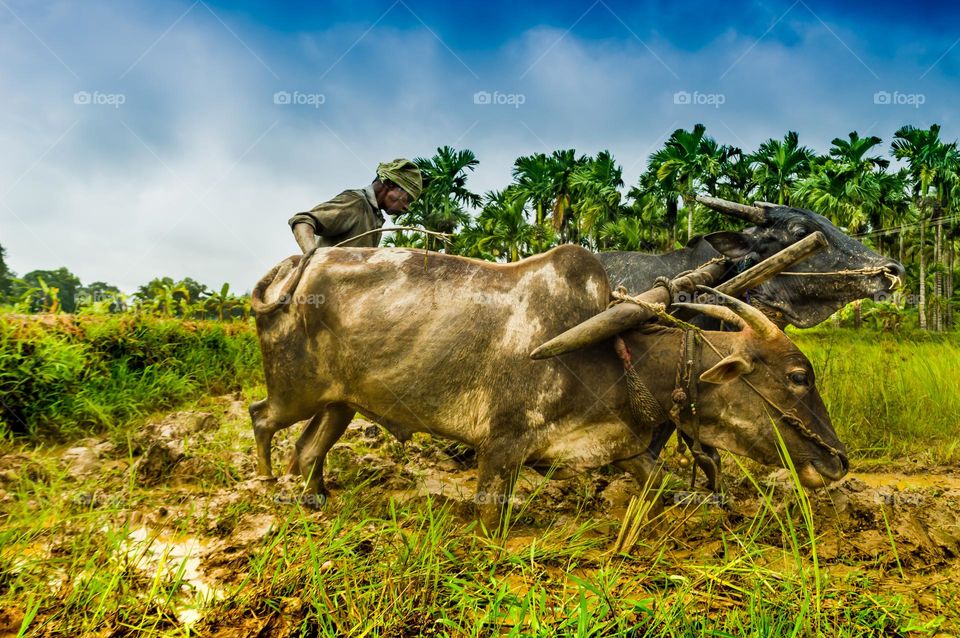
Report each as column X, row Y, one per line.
column 175, row 138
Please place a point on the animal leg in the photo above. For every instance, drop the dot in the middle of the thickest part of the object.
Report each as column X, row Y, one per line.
column 708, row 461
column 661, row 434
column 649, row 476
column 267, row 421
column 318, row 437
column 293, row 466
column 498, row 467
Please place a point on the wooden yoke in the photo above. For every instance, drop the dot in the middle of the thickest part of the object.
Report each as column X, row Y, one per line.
column 625, row 316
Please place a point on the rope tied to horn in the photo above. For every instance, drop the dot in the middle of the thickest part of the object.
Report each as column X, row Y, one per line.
column 620, row 295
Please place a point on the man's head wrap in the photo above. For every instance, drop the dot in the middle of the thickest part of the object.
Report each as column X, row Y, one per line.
column 404, row 174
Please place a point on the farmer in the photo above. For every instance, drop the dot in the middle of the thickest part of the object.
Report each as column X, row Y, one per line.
column 354, row 212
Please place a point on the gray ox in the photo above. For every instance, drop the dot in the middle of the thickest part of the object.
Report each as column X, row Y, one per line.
column 440, row 344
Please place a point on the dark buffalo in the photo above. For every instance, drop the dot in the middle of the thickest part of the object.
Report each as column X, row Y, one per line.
column 804, row 298
column 440, row 344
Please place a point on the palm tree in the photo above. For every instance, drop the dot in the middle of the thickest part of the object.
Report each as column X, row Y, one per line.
column 656, row 199
column 777, row 165
column 727, row 175
column 892, row 207
column 404, row 239
column 736, row 180
column 597, row 183
column 506, row 229
column 561, row 166
column 623, row 233
column 442, row 205
column 838, row 192
column 220, row 303
column 853, row 151
column 718, row 164
column 533, row 183
column 932, row 166
column 686, row 161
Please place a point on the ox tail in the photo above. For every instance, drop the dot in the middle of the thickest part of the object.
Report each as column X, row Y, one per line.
column 284, row 296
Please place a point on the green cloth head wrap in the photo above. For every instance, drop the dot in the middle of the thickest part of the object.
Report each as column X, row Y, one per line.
column 404, row 174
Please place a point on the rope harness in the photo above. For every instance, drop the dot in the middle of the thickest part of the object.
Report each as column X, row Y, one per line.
column 895, row 281
column 684, row 412
column 684, row 396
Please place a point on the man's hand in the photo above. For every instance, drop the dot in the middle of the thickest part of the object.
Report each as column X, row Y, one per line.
column 305, row 237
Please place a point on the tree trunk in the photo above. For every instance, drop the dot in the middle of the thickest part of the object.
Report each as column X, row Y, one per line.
column 857, row 315
column 948, row 292
column 689, row 221
column 938, row 276
column 671, row 223
column 922, row 302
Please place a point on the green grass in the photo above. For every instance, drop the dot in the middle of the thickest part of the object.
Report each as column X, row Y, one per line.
column 66, row 376
column 889, row 395
column 372, row 566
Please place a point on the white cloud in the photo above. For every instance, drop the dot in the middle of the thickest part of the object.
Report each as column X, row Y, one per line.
column 198, row 171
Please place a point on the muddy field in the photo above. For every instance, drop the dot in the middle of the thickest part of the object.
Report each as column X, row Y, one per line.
column 184, row 525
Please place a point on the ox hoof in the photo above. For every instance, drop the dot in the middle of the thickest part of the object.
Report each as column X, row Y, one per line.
column 266, row 479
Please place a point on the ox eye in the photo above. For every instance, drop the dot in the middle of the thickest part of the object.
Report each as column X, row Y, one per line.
column 799, row 231
column 799, row 378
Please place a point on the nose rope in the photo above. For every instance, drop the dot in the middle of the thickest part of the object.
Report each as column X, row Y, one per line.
column 895, row 280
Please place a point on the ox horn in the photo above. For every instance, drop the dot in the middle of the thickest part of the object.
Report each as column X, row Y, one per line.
column 720, row 313
column 750, row 315
column 608, row 323
column 754, row 214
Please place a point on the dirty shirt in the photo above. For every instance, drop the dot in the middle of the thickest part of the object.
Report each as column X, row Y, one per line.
column 347, row 215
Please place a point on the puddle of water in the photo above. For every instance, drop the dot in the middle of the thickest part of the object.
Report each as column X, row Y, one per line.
column 174, row 558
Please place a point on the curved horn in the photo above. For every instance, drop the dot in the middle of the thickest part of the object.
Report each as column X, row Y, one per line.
column 754, row 214
column 720, row 313
column 608, row 323
column 750, row 315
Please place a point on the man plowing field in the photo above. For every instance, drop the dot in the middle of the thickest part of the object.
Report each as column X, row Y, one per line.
column 356, row 212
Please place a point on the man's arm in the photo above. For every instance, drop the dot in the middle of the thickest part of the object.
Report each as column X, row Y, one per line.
column 304, row 234
column 329, row 219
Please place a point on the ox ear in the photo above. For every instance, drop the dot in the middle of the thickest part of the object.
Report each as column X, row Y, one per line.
column 733, row 245
column 729, row 368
